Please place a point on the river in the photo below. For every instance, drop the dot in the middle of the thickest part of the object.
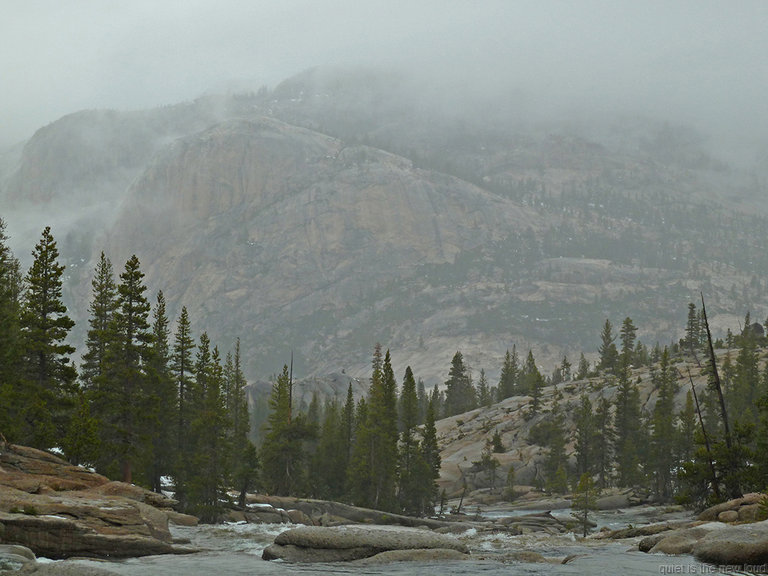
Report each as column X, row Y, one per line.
column 235, row 549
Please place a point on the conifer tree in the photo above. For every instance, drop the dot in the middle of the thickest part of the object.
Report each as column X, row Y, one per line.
column 609, row 355
column 377, row 441
column 329, row 461
column 161, row 400
column 48, row 372
column 484, row 396
column 583, row 370
column 430, row 454
column 532, row 383
column 182, row 369
column 100, row 332
column 627, row 426
column 10, row 340
column 408, row 469
column 686, row 430
column 283, row 458
column 209, row 431
column 605, row 441
column 556, row 464
column 662, row 458
column 510, row 373
column 125, row 385
column 628, row 336
column 586, row 438
column 585, row 500
column 243, row 465
column 459, row 393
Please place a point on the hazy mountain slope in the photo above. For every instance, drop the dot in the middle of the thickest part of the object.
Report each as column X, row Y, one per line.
column 287, row 238
column 280, row 218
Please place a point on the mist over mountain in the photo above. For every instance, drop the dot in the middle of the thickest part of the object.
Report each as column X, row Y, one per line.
column 347, row 207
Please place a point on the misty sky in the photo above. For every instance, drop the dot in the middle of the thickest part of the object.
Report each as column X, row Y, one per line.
column 689, row 60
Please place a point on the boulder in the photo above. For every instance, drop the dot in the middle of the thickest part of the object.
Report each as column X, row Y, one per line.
column 59, row 510
column 345, row 543
column 680, row 541
column 714, row 512
column 728, row 516
column 13, row 557
column 741, row 545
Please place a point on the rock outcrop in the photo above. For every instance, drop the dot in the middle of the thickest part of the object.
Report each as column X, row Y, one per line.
column 59, row 510
column 743, row 545
column 346, row 543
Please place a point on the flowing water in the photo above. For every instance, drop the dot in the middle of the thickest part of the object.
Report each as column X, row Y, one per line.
column 235, row 549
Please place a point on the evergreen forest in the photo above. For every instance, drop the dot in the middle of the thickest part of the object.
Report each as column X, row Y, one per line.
column 168, row 410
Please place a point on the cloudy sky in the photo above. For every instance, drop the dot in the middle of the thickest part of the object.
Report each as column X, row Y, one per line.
column 694, row 60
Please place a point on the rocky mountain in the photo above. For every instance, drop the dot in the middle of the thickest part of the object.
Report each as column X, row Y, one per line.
column 338, row 210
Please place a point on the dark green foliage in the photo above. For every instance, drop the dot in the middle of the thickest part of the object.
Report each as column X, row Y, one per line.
column 10, row 340
column 182, row 370
column 628, row 431
column 283, row 458
column 605, row 442
column 585, row 500
column 487, row 465
column 373, row 466
column 586, row 438
column 100, row 325
column 161, row 402
column 662, row 458
column 124, row 392
column 609, row 355
column 484, row 395
column 47, row 371
column 510, row 374
column 532, row 383
column 460, row 394
column 208, row 474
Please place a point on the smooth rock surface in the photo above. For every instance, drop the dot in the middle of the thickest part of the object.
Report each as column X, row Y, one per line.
column 741, row 545
column 345, row 543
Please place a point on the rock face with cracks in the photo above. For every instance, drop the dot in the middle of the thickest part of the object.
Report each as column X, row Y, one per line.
column 346, row 543
column 58, row 510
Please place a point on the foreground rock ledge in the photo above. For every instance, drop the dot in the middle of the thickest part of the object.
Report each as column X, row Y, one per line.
column 347, row 543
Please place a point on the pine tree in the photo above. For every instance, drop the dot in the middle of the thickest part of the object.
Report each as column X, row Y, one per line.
column 459, row 393
column 125, row 385
column 243, row 465
column 329, row 460
column 583, row 371
column 628, row 335
column 48, row 372
column 585, row 500
column 182, row 369
column 686, row 430
column 102, row 310
column 627, row 426
column 484, row 396
column 376, row 444
column 161, row 391
column 210, row 434
column 532, row 383
column 605, row 442
column 586, row 438
column 692, row 330
column 283, row 458
column 609, row 355
column 408, row 496
column 10, row 340
column 555, row 466
column 510, row 373
column 430, row 454
column 662, row 458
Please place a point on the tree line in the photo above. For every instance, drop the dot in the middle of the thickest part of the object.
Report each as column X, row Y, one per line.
column 144, row 404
